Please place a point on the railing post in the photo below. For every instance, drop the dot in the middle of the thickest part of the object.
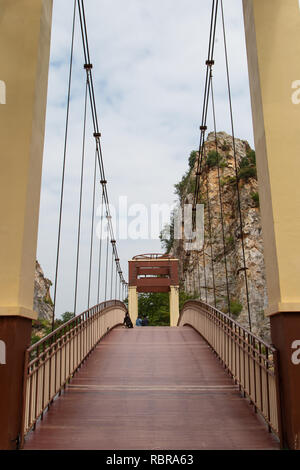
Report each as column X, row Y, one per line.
column 24, row 393
column 279, row 410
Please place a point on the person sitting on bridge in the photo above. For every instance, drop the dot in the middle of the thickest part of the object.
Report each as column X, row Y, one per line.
column 127, row 321
column 139, row 321
column 145, row 321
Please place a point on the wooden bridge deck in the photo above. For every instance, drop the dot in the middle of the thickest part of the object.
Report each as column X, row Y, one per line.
column 151, row 388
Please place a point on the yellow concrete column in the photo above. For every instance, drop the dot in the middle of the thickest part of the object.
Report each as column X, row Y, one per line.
column 133, row 304
column 174, row 305
column 25, row 27
column 273, row 46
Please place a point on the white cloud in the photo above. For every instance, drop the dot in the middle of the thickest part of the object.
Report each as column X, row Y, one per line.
column 149, row 67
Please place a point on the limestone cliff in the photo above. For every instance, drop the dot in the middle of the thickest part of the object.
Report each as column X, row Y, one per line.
column 42, row 302
column 192, row 272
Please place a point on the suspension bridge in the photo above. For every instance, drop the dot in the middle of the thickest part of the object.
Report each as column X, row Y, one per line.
column 204, row 382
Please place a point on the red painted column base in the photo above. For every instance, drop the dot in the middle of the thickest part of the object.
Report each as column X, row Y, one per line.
column 15, row 333
column 285, row 330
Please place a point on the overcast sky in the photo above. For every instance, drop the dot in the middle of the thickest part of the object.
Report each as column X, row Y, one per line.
column 148, row 67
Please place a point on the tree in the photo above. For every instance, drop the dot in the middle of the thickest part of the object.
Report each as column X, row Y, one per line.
column 192, row 159
column 156, row 306
column 183, row 186
column 166, row 236
column 184, row 297
column 67, row 316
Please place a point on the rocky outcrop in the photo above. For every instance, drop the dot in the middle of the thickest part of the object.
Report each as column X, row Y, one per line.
column 198, row 268
column 42, row 301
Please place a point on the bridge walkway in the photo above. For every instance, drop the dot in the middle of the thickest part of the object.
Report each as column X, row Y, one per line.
column 151, row 388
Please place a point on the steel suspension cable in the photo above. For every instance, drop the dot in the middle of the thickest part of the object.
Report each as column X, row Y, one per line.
column 220, row 195
column 100, row 250
column 117, row 261
column 199, row 173
column 92, row 232
column 112, row 272
column 194, row 284
column 80, row 196
column 203, row 127
column 199, row 277
column 106, row 266
column 210, row 235
column 64, row 166
column 116, row 284
column 204, row 270
column 92, row 100
column 236, row 167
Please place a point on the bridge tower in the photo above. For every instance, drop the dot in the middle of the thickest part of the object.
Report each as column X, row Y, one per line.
column 24, row 61
column 154, row 273
column 273, row 46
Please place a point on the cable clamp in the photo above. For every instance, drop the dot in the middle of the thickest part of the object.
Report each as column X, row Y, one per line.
column 210, row 63
column 97, row 135
column 88, row 66
column 203, row 128
column 103, row 182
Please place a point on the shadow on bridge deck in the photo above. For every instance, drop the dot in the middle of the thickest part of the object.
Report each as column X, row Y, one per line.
column 151, row 388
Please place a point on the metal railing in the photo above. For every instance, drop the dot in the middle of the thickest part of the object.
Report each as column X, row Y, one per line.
column 250, row 361
column 51, row 362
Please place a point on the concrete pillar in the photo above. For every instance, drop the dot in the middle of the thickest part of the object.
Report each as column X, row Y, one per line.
column 24, row 61
column 273, row 47
column 133, row 304
column 174, row 305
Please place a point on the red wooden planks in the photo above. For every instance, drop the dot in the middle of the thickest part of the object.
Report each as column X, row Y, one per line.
column 151, row 388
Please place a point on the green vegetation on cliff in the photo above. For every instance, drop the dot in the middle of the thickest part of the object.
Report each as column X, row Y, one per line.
column 187, row 183
column 247, row 167
column 166, row 236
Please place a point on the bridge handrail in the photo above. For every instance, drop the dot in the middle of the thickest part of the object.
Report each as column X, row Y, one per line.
column 252, row 363
column 51, row 362
column 77, row 319
column 223, row 315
